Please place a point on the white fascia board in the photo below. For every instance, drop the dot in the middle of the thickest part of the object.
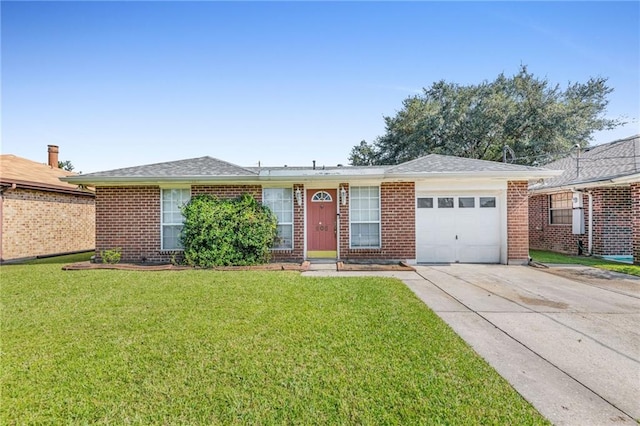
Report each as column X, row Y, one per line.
column 159, row 181
column 510, row 175
column 308, row 176
column 334, row 174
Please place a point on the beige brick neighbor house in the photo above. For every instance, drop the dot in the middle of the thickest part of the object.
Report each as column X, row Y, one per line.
column 39, row 214
column 433, row 209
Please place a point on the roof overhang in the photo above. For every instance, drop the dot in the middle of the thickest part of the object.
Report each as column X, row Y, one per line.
column 22, row 184
column 308, row 176
column 579, row 186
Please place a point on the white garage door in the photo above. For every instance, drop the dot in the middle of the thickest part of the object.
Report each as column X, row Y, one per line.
column 458, row 228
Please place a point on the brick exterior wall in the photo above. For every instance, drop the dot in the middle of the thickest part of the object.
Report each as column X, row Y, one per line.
column 613, row 229
column 228, row 191
column 635, row 219
column 612, row 226
column 398, row 224
column 129, row 218
column 517, row 222
column 37, row 223
column 558, row 238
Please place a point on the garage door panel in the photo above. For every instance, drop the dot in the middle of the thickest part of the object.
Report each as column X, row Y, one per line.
column 467, row 231
column 479, row 253
column 438, row 254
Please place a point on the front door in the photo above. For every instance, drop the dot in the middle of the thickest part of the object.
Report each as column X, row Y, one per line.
column 321, row 223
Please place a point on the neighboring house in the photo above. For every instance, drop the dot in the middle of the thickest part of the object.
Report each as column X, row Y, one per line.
column 39, row 214
column 433, row 209
column 594, row 206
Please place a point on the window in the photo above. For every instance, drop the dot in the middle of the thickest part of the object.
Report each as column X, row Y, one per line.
column 425, row 203
column 364, row 216
column 560, row 209
column 280, row 201
column 445, row 203
column 171, row 216
column 487, row 202
column 466, row 202
column 321, row 196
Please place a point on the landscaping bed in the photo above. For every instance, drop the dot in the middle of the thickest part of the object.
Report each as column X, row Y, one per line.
column 81, row 266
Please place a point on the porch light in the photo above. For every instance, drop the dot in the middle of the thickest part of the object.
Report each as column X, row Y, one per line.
column 299, row 196
column 343, row 196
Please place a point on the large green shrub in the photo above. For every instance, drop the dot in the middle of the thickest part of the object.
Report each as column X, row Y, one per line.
column 227, row 232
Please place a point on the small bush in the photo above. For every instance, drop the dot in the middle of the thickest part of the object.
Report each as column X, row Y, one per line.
column 227, row 232
column 111, row 256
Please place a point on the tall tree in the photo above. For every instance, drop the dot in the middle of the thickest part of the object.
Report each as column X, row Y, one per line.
column 538, row 121
column 66, row 165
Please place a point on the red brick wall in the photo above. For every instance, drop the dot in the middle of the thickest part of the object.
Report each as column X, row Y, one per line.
column 37, row 223
column 559, row 238
column 228, row 191
column 517, row 221
column 612, row 224
column 128, row 218
column 635, row 218
column 397, row 202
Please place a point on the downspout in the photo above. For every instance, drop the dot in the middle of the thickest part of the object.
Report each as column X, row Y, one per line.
column 590, row 231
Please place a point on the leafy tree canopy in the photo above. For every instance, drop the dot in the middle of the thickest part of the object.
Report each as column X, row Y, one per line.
column 536, row 120
column 65, row 165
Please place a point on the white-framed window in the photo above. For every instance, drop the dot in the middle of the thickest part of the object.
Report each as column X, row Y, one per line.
column 321, row 197
column 364, row 217
column 280, row 201
column 560, row 209
column 171, row 217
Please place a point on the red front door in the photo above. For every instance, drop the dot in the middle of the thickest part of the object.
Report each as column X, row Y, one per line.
column 321, row 223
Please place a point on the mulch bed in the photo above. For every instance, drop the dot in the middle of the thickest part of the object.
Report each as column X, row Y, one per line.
column 401, row 266
column 301, row 267
column 83, row 266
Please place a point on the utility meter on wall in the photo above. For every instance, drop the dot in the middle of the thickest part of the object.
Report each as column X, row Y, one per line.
column 578, row 214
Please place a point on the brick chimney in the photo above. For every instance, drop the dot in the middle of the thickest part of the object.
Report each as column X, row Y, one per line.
column 53, row 156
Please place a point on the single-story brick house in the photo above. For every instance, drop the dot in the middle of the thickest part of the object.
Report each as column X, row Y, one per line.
column 593, row 207
column 39, row 214
column 433, row 209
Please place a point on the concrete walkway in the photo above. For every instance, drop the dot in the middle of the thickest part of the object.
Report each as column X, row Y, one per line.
column 570, row 348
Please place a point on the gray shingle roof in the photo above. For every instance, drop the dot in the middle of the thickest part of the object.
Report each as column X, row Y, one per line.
column 193, row 167
column 212, row 169
column 599, row 163
column 436, row 163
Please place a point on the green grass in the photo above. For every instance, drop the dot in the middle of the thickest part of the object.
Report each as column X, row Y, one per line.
column 205, row 347
column 552, row 257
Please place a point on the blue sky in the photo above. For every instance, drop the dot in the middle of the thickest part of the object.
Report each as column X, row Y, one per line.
column 118, row 84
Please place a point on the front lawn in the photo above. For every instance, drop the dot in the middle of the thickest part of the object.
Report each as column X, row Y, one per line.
column 552, row 257
column 205, row 347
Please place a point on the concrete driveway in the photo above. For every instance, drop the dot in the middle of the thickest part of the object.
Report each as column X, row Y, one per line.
column 567, row 340
column 571, row 347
